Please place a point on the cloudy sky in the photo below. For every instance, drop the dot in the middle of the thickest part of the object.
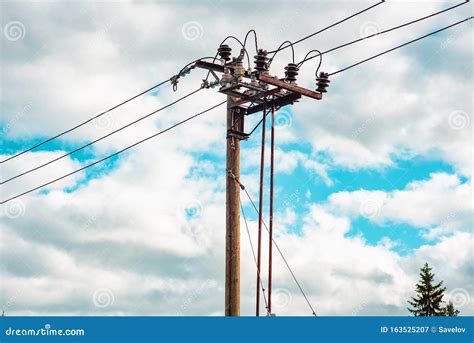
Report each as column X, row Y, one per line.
column 371, row 182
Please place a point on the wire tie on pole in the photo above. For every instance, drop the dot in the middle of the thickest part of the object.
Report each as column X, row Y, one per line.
column 174, row 81
column 231, row 174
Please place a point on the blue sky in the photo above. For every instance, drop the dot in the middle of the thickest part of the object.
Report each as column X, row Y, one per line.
column 300, row 181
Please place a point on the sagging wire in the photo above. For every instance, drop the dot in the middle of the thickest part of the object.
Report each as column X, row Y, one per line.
column 253, row 251
column 185, row 71
column 243, row 49
column 281, row 47
column 399, row 46
column 115, row 153
column 242, row 187
column 255, row 35
column 305, row 59
column 385, row 31
column 332, row 25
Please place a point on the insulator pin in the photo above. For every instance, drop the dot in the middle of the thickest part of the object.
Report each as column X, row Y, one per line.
column 224, row 52
column 322, row 82
column 226, row 77
column 291, row 71
column 239, row 69
column 261, row 61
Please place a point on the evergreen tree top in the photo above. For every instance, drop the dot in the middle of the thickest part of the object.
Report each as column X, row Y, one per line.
column 429, row 298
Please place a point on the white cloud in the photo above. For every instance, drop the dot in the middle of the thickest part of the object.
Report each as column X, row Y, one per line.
column 442, row 202
column 286, row 162
column 126, row 231
column 31, row 160
column 115, row 56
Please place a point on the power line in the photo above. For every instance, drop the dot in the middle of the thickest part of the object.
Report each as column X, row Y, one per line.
column 255, row 35
column 253, row 252
column 276, row 246
column 241, row 44
column 101, row 138
column 101, row 114
column 399, row 46
column 85, row 122
column 379, row 33
column 257, row 125
column 332, row 25
column 243, row 48
column 284, row 259
column 116, row 153
column 174, row 79
column 192, row 62
column 306, row 59
column 281, row 48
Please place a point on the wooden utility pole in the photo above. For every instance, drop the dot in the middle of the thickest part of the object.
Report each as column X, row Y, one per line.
column 248, row 92
column 232, row 250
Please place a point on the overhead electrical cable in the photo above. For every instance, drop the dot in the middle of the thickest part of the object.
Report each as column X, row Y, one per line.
column 255, row 35
column 281, row 48
column 320, row 54
column 241, row 44
column 243, row 48
column 253, row 251
column 37, row 145
column 306, row 58
column 100, row 138
column 115, row 154
column 330, row 26
column 277, row 247
column 399, row 46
